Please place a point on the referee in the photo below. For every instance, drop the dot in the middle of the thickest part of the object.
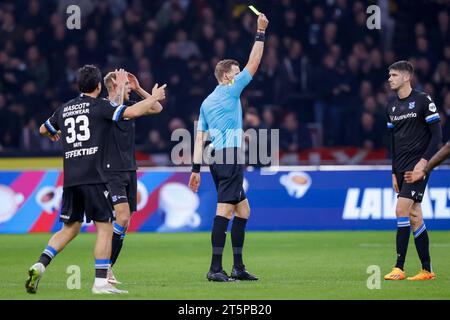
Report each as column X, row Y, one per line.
column 221, row 117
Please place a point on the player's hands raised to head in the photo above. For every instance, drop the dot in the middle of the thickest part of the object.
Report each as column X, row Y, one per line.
column 194, row 181
column 395, row 183
column 413, row 176
column 134, row 82
column 159, row 92
column 263, row 22
column 121, row 77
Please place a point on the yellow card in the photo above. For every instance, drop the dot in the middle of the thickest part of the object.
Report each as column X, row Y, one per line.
column 255, row 11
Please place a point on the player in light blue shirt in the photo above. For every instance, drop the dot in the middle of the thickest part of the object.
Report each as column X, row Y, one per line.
column 221, row 117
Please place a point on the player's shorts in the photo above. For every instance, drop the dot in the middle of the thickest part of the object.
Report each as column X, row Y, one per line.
column 90, row 200
column 228, row 178
column 413, row 191
column 123, row 187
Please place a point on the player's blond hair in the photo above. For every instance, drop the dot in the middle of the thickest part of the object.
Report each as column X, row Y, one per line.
column 223, row 67
column 108, row 80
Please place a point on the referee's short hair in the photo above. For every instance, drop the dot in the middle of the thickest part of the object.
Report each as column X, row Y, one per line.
column 89, row 76
column 402, row 65
column 223, row 67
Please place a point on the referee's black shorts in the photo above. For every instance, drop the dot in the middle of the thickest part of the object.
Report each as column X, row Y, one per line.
column 228, row 176
column 90, row 200
column 413, row 191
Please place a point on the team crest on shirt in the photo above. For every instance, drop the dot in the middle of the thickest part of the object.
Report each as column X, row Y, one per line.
column 412, row 105
column 432, row 107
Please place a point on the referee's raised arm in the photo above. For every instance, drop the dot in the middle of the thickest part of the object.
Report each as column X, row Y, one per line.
column 258, row 47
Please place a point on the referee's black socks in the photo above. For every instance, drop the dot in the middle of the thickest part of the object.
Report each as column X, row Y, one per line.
column 218, row 238
column 403, row 234
column 237, row 239
column 423, row 246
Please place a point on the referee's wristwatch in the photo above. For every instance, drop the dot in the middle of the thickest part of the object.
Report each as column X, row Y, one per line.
column 260, row 35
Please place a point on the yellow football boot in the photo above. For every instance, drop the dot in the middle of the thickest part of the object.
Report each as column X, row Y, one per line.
column 395, row 274
column 423, row 275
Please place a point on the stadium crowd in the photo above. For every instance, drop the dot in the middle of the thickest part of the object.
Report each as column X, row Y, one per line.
column 322, row 66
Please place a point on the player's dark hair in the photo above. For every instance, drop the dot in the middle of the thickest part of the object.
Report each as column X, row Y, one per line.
column 89, row 76
column 223, row 67
column 402, row 65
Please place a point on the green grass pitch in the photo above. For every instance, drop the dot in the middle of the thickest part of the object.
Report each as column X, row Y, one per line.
column 291, row 265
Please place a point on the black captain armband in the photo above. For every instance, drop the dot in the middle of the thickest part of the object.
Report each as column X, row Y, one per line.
column 195, row 167
column 260, row 36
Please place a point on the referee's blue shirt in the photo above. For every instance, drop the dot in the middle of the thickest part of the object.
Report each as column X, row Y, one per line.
column 221, row 113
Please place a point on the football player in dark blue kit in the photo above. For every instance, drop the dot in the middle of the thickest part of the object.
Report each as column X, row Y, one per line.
column 82, row 124
column 120, row 163
column 416, row 133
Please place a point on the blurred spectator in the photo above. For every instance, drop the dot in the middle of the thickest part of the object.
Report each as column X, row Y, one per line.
column 91, row 50
column 370, row 132
column 257, row 138
column 446, row 118
column 314, row 32
column 185, row 47
column 206, row 41
column 441, row 34
column 294, row 136
column 236, row 48
column 252, row 120
column 31, row 139
column 37, row 68
column 155, row 143
column 269, row 119
column 294, row 70
column 266, row 83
